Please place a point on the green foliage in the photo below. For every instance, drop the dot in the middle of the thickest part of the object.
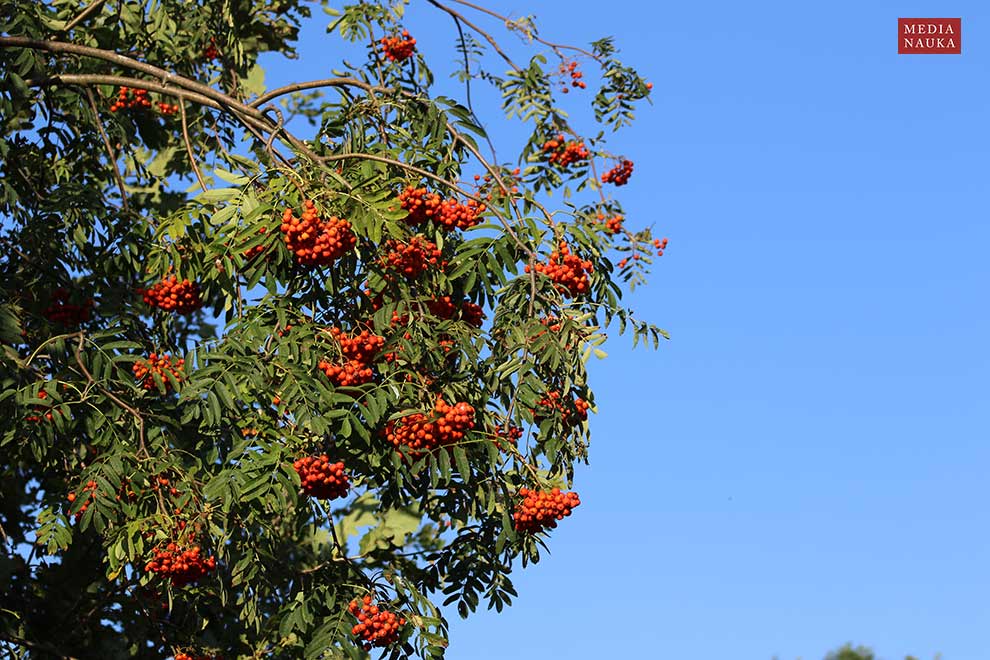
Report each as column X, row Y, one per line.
column 847, row 652
column 103, row 467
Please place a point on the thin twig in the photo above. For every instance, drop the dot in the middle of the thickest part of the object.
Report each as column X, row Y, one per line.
column 83, row 15
column 489, row 38
column 189, row 149
column 106, row 143
column 108, row 394
column 405, row 166
column 467, row 85
column 532, row 35
column 326, row 82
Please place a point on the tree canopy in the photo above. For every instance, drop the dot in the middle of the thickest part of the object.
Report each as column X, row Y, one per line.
column 286, row 371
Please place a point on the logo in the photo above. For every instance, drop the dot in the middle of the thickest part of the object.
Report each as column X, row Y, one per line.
column 929, row 36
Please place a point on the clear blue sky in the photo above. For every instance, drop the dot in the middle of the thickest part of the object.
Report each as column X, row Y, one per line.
column 806, row 462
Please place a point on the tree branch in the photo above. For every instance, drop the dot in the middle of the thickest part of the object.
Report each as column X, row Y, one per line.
column 489, row 38
column 167, row 77
column 108, row 394
column 35, row 646
column 106, row 143
column 189, row 149
column 83, row 15
column 313, row 84
column 509, row 22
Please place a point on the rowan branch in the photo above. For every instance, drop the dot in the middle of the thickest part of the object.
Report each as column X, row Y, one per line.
column 107, row 393
column 249, row 121
column 35, row 646
column 136, row 83
column 83, row 15
column 489, row 38
column 532, row 35
column 467, row 83
column 167, row 77
column 189, row 149
column 313, row 84
column 110, row 154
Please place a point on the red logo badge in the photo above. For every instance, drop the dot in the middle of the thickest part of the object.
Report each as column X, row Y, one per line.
column 929, row 36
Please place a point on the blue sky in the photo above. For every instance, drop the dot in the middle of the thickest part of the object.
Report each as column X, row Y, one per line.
column 805, row 463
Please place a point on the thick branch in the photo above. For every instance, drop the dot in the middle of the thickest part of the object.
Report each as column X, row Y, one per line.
column 35, row 646
column 136, row 83
column 167, row 77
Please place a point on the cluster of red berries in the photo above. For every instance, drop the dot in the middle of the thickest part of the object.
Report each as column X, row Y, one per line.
column 613, row 225
column 419, row 432
column 567, row 271
column 125, row 491
column 563, row 153
column 571, row 414
column 350, row 374
column 89, row 490
column 128, row 98
column 489, row 190
column 173, row 295
column 251, row 253
column 180, row 566
column 510, row 436
column 210, row 53
column 376, row 627
column 189, row 656
column 360, row 351
column 47, row 412
column 322, row 479
column 445, row 308
column 541, row 510
column 164, row 484
column 314, row 241
column 413, row 257
column 146, row 370
column 447, row 213
column 576, row 76
column 60, row 310
column 398, row 49
column 660, row 245
column 619, row 175
column 167, row 108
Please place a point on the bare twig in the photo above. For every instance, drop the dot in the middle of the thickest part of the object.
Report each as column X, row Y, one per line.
column 189, row 149
column 489, row 38
column 532, row 35
column 467, row 84
column 83, row 15
column 106, row 143
column 313, row 84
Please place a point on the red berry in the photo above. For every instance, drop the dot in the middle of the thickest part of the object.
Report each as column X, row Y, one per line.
column 541, row 510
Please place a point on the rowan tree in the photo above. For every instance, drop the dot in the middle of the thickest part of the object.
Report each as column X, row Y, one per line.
column 286, row 392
